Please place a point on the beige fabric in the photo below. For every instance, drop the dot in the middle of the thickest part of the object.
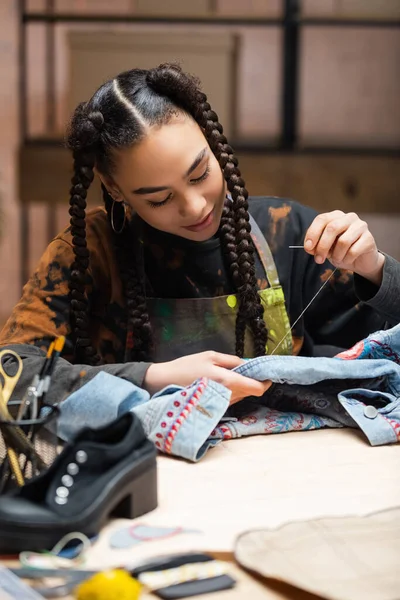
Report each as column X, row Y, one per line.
column 341, row 559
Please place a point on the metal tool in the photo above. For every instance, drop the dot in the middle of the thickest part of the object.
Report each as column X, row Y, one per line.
column 14, row 438
column 7, row 388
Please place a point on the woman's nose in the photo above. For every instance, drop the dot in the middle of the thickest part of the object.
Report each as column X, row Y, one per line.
column 192, row 206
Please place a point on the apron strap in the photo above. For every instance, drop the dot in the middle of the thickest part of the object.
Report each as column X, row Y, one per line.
column 265, row 254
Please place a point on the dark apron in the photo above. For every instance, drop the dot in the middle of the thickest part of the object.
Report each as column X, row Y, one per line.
column 185, row 326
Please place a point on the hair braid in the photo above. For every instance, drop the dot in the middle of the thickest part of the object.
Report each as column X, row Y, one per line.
column 83, row 176
column 139, row 342
column 82, row 139
column 235, row 222
column 235, row 227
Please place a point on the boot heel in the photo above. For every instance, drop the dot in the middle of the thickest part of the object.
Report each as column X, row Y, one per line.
column 140, row 498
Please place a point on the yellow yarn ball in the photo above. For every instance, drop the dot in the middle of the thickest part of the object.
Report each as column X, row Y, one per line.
column 109, row 585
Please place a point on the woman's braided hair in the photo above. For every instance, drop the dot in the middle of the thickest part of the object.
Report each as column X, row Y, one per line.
column 118, row 116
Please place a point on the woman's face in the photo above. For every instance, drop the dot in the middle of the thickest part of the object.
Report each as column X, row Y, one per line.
column 172, row 180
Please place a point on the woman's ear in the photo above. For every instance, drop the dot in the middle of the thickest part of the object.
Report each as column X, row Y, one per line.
column 110, row 186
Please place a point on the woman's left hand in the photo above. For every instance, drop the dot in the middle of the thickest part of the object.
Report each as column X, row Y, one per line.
column 345, row 240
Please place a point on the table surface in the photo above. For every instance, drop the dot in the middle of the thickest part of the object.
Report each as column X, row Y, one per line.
column 260, row 482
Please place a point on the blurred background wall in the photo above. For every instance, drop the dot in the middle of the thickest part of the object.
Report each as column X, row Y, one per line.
column 308, row 93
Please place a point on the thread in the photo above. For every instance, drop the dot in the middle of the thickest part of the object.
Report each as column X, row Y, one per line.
column 306, row 308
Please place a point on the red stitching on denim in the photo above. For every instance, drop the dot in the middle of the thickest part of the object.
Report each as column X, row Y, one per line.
column 195, row 398
column 394, row 424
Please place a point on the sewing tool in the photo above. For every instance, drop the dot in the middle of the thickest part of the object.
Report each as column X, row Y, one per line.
column 41, row 382
column 46, row 363
column 306, row 308
column 155, row 580
column 10, row 436
column 56, row 352
column 29, row 399
column 183, row 575
column 53, row 353
column 14, row 438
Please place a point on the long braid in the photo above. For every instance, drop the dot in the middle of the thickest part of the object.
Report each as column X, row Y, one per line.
column 235, row 226
column 82, row 139
column 139, row 335
column 235, row 221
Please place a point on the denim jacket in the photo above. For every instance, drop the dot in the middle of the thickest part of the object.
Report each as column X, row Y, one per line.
column 359, row 388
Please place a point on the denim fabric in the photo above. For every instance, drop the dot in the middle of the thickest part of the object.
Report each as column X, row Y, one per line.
column 178, row 420
column 186, row 422
column 97, row 403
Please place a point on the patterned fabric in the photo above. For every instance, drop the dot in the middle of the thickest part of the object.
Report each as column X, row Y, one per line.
column 268, row 420
column 180, row 269
column 359, row 390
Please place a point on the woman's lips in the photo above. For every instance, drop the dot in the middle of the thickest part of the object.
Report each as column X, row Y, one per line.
column 202, row 224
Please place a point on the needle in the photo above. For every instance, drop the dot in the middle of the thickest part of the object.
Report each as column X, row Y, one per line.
column 306, row 308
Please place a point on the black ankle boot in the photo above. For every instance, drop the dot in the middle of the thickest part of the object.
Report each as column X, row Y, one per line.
column 102, row 472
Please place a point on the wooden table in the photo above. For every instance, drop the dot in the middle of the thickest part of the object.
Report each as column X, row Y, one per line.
column 257, row 482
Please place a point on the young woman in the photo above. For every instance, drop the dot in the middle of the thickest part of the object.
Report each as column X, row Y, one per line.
column 181, row 275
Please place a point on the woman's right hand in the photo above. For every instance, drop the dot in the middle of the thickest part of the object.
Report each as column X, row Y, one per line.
column 183, row 371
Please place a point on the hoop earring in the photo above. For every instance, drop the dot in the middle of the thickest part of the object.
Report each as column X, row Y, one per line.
column 117, row 231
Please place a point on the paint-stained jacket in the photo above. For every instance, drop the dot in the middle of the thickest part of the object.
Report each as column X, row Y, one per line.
column 346, row 310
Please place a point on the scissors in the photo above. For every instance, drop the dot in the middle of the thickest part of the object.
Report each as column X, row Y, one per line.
column 6, row 390
column 13, row 435
column 9, row 381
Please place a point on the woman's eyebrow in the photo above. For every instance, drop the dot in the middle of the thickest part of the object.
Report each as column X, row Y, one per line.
column 193, row 166
column 149, row 190
column 196, row 162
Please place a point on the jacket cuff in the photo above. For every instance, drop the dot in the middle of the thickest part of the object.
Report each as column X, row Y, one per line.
column 380, row 425
column 179, row 421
